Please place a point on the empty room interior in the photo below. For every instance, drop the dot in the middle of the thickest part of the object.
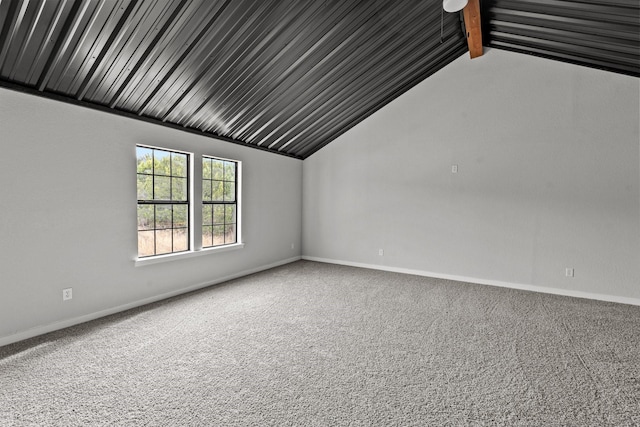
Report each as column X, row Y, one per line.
column 320, row 213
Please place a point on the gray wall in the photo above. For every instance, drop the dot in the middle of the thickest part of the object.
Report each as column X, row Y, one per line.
column 69, row 215
column 549, row 171
column 548, row 156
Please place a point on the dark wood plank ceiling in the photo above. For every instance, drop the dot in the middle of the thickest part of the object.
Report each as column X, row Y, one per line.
column 285, row 76
column 603, row 34
column 280, row 75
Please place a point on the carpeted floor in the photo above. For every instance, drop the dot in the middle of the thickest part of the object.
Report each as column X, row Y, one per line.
column 311, row 344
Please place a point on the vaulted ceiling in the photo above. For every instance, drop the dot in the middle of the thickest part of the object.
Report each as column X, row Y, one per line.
column 280, row 75
column 602, row 34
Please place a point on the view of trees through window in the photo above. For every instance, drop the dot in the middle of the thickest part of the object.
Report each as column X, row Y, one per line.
column 163, row 201
column 219, row 204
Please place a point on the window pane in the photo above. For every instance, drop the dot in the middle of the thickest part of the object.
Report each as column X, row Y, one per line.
column 179, row 189
column 145, row 160
column 163, row 241
column 230, row 214
column 229, row 171
column 162, row 188
column 206, row 190
column 162, row 177
column 206, row 168
column 230, row 234
column 217, row 169
column 145, row 187
column 229, row 192
column 178, row 164
column 145, row 243
column 218, row 235
column 161, row 162
column 218, row 214
column 180, row 216
column 217, row 191
column 207, row 218
column 164, row 216
column 180, row 240
column 207, row 236
column 145, row 217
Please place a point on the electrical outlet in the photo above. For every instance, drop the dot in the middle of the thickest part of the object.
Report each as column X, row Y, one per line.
column 293, row 246
column 568, row 272
column 381, row 252
column 67, row 294
column 454, row 168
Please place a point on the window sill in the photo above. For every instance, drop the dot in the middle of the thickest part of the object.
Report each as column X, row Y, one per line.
column 139, row 262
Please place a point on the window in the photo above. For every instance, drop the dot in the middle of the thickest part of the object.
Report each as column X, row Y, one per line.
column 163, row 201
column 219, row 202
column 169, row 221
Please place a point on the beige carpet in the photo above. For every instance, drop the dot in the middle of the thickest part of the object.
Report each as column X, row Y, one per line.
column 311, row 344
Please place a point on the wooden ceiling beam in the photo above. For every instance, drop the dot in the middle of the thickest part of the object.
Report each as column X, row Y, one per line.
column 471, row 14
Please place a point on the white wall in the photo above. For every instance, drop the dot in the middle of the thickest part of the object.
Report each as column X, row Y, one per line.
column 68, row 216
column 549, row 171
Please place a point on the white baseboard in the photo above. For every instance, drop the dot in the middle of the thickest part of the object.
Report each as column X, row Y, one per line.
column 43, row 329
column 533, row 288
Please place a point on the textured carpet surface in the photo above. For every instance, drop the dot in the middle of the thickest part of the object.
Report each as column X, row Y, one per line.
column 311, row 344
